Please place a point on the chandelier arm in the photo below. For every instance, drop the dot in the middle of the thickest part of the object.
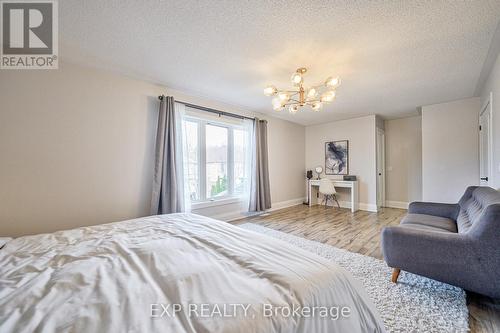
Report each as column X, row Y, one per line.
column 323, row 87
column 318, row 86
column 294, row 92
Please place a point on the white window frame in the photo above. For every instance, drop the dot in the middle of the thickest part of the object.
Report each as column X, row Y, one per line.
column 203, row 200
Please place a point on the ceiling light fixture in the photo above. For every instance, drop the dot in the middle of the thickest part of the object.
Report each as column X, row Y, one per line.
column 301, row 96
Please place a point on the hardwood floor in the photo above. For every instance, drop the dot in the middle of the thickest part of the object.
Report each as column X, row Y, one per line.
column 360, row 232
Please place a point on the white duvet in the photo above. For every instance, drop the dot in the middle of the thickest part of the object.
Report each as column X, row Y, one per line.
column 174, row 273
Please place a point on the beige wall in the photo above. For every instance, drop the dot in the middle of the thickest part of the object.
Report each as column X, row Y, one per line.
column 493, row 85
column 76, row 148
column 450, row 149
column 362, row 154
column 286, row 160
column 403, row 161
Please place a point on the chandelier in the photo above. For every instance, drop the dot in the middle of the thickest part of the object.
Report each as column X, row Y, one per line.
column 300, row 96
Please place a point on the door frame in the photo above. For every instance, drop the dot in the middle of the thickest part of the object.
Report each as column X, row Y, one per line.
column 487, row 107
column 380, row 138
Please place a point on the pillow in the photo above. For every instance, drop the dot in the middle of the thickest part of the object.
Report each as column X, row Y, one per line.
column 4, row 240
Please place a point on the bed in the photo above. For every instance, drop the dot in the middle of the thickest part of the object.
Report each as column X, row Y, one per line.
column 174, row 273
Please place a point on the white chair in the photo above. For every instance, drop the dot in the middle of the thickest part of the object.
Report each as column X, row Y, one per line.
column 327, row 189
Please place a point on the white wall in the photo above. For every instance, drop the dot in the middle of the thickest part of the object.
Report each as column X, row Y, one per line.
column 362, row 154
column 450, row 149
column 403, row 161
column 76, row 148
column 493, row 85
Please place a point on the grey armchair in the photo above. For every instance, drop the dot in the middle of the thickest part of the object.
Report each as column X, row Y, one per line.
column 457, row 244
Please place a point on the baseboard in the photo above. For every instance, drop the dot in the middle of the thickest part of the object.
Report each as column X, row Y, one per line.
column 361, row 206
column 237, row 215
column 286, row 204
column 396, row 204
column 368, row 207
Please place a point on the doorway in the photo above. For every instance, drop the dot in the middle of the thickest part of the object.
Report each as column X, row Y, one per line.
column 380, row 168
column 485, row 143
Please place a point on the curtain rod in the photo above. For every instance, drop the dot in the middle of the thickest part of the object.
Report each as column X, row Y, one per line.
column 202, row 108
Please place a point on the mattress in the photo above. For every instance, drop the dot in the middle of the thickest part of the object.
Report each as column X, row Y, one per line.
column 175, row 273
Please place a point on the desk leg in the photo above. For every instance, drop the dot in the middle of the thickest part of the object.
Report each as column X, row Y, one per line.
column 353, row 203
column 354, row 199
column 309, row 193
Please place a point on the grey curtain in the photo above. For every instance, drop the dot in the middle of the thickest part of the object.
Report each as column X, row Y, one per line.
column 260, row 193
column 167, row 183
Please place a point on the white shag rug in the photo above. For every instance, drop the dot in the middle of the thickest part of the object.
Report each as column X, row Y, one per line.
column 414, row 304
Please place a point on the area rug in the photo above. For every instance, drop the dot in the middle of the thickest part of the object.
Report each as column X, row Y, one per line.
column 414, row 304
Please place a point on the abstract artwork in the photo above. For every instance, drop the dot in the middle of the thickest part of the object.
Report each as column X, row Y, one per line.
column 337, row 157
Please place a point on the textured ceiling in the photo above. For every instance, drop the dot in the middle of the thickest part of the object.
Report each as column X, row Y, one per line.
column 393, row 56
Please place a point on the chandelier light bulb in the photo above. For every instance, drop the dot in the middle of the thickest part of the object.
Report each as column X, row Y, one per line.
column 277, row 104
column 296, row 79
column 328, row 96
column 293, row 108
column 285, row 97
column 333, row 82
column 316, row 106
column 312, row 93
column 270, row 90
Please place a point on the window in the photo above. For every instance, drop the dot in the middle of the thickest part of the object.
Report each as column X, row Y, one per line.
column 216, row 144
column 217, row 163
column 193, row 160
column 240, row 160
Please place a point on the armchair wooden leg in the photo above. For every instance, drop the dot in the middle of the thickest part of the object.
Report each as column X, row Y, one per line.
column 395, row 275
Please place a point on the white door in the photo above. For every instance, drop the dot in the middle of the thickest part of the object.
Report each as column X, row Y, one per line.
column 485, row 144
column 380, row 168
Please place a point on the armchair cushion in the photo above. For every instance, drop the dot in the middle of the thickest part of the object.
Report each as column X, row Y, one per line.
column 436, row 222
column 449, row 211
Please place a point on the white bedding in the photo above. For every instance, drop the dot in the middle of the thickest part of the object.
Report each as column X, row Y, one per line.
column 4, row 240
column 119, row 277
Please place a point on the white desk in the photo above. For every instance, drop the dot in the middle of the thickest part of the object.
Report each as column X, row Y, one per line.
column 353, row 185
